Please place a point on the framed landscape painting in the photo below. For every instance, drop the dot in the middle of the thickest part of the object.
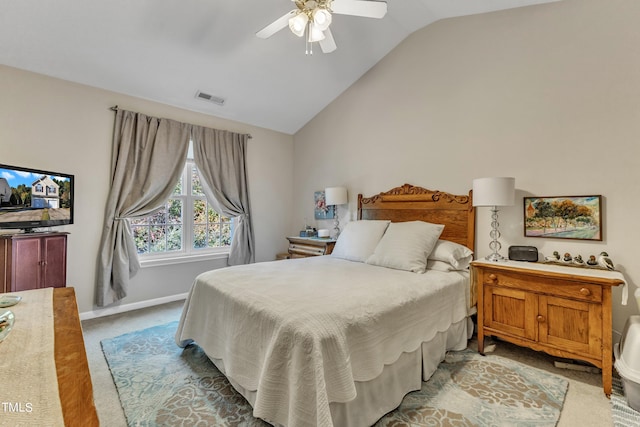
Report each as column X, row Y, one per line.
column 563, row 217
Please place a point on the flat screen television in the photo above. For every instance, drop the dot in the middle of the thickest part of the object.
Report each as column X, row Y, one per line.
column 33, row 198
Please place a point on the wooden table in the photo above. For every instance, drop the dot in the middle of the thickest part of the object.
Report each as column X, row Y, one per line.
column 563, row 311
column 74, row 380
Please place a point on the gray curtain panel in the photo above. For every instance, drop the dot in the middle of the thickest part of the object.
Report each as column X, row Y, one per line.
column 147, row 159
column 221, row 159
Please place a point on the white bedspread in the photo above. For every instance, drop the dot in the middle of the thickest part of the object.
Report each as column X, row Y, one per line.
column 301, row 331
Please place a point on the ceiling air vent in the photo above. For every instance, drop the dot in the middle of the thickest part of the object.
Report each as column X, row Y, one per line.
column 210, row 98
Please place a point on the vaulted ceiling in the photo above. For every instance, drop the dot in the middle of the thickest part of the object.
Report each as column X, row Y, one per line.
column 168, row 50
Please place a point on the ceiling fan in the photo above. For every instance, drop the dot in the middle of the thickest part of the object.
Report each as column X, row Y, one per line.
column 311, row 19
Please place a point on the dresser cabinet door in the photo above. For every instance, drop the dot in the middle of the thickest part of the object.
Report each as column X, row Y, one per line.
column 26, row 269
column 510, row 311
column 54, row 261
column 569, row 325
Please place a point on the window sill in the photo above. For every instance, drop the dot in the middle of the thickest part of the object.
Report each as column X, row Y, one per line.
column 160, row 261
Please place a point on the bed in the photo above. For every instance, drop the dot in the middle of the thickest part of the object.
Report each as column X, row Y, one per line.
column 339, row 340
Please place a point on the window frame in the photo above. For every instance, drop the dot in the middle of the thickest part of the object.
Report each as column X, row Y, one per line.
column 187, row 253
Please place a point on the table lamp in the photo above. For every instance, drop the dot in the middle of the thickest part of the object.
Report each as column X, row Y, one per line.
column 335, row 196
column 494, row 192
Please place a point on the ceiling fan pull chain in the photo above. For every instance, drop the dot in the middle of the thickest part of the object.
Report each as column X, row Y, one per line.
column 309, row 44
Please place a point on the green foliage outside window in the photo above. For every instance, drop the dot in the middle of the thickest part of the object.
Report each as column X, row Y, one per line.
column 164, row 231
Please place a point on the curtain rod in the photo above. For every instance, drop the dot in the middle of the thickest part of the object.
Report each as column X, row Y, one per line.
column 115, row 109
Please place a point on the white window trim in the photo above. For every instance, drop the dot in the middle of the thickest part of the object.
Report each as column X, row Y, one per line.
column 160, row 260
column 186, row 255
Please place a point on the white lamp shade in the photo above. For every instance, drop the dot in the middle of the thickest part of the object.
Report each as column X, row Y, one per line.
column 315, row 35
column 321, row 19
column 494, row 191
column 298, row 24
column 335, row 196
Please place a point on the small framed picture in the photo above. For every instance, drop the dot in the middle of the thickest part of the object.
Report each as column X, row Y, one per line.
column 321, row 210
column 563, row 217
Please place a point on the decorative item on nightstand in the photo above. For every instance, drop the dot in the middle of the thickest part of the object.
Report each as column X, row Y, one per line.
column 308, row 232
column 494, row 192
column 335, row 196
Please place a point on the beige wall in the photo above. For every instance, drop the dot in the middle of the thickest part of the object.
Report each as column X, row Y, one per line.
column 75, row 125
column 549, row 94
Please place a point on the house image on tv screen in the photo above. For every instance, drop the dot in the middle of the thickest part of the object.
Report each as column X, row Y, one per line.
column 5, row 192
column 45, row 193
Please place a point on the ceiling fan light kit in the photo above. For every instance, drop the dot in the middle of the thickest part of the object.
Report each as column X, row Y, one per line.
column 315, row 34
column 298, row 24
column 313, row 18
column 321, row 19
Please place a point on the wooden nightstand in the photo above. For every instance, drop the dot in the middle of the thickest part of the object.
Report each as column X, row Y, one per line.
column 563, row 311
column 300, row 247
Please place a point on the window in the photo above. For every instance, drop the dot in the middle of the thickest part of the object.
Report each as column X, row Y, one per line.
column 187, row 225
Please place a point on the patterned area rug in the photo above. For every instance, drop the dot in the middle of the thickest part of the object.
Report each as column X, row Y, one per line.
column 160, row 384
column 622, row 414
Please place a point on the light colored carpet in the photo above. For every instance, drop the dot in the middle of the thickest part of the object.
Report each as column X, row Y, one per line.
column 585, row 403
column 161, row 385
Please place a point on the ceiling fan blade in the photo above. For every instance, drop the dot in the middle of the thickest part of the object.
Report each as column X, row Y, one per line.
column 368, row 9
column 328, row 44
column 276, row 25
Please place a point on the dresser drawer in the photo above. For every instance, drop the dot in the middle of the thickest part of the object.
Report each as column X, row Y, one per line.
column 307, row 250
column 300, row 247
column 562, row 287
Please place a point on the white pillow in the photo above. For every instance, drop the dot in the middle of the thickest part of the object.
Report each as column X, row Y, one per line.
column 457, row 255
column 359, row 239
column 406, row 246
column 439, row 265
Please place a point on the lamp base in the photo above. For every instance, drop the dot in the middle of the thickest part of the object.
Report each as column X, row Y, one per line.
column 336, row 224
column 496, row 257
column 495, row 245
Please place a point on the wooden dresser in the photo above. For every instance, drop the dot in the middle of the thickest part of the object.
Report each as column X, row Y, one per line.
column 32, row 261
column 300, row 247
column 563, row 311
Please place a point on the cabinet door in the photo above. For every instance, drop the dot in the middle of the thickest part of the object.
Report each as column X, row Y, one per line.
column 54, row 265
column 510, row 311
column 6, row 249
column 26, row 269
column 575, row 326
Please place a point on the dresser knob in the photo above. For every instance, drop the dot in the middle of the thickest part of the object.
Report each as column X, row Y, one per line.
column 585, row 292
column 493, row 277
column 540, row 318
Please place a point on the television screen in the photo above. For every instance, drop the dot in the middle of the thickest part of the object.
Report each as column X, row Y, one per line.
column 32, row 198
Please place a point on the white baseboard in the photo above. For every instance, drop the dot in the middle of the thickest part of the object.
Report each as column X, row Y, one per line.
column 108, row 311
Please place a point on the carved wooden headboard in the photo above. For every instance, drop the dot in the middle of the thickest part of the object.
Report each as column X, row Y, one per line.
column 409, row 203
